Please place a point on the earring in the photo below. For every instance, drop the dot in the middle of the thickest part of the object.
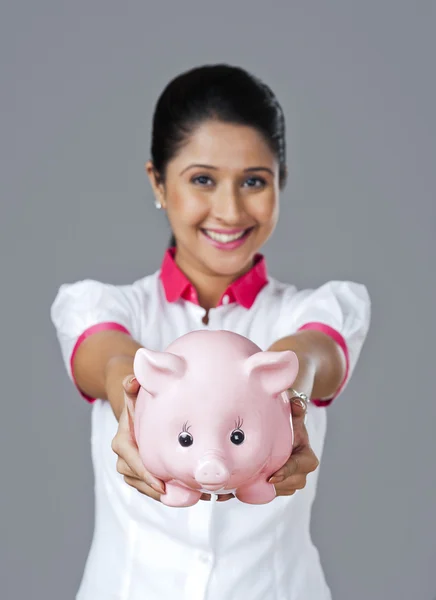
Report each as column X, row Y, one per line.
column 157, row 204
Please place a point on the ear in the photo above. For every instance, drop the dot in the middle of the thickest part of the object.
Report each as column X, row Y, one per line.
column 156, row 183
column 156, row 370
column 276, row 371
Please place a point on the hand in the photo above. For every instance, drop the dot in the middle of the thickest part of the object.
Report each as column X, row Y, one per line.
column 129, row 463
column 293, row 475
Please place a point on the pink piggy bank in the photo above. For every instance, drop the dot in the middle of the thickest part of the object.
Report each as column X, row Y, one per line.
column 212, row 415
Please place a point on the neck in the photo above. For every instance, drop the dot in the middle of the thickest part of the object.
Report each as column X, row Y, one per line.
column 209, row 286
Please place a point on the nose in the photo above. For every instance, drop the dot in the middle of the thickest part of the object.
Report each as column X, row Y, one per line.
column 212, row 471
column 227, row 206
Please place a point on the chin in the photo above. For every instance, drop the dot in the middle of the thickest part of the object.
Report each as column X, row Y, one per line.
column 230, row 264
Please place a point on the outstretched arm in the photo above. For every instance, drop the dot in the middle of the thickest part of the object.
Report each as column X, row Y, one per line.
column 321, row 373
column 101, row 363
column 322, row 362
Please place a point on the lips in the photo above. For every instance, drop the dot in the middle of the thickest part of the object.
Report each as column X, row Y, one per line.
column 226, row 239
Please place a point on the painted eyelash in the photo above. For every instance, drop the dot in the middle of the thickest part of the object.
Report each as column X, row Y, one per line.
column 239, row 423
column 186, row 427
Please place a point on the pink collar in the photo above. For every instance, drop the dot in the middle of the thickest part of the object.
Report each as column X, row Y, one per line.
column 243, row 291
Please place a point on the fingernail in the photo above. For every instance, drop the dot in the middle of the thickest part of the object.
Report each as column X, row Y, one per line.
column 127, row 381
column 131, row 380
column 300, row 403
column 157, row 487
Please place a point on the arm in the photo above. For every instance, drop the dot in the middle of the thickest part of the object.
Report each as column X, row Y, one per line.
column 322, row 369
column 322, row 362
column 95, row 325
column 332, row 323
column 100, row 369
column 101, row 363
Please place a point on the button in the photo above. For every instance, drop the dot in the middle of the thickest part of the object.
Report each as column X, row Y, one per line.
column 226, row 299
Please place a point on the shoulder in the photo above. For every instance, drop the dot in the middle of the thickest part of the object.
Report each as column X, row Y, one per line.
column 91, row 301
column 335, row 290
column 338, row 303
column 93, row 291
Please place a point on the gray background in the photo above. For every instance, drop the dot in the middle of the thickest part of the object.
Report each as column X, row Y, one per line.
column 356, row 79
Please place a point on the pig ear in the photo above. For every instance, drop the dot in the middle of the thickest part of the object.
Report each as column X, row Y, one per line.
column 275, row 371
column 155, row 370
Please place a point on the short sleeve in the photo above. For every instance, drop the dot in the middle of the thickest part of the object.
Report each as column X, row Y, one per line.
column 341, row 309
column 86, row 307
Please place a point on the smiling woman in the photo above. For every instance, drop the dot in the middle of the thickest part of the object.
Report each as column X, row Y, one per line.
column 217, row 163
column 217, row 166
column 230, row 203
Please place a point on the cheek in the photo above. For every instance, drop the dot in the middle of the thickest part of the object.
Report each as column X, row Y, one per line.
column 264, row 210
column 185, row 207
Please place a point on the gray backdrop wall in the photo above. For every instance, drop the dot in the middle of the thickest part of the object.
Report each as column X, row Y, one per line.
column 356, row 79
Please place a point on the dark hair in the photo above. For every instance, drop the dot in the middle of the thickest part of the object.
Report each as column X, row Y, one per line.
column 222, row 92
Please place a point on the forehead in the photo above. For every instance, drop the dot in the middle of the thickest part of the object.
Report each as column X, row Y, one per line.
column 226, row 145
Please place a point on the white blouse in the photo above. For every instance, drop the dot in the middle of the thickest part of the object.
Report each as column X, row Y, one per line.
column 144, row 550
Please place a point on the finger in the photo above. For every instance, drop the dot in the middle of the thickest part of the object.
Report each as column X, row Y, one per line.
column 124, row 425
column 131, row 386
column 131, row 389
column 298, row 408
column 124, row 469
column 286, row 471
column 301, row 437
column 302, row 461
column 291, row 485
column 123, row 446
column 285, row 492
column 133, row 460
column 142, row 487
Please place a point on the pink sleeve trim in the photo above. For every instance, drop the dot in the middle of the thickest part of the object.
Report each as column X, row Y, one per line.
column 339, row 339
column 82, row 338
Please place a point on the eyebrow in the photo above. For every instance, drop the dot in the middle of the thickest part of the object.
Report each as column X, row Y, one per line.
column 249, row 170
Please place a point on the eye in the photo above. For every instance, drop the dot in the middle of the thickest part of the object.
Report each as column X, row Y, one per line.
column 237, row 437
column 185, row 438
column 256, row 182
column 202, row 180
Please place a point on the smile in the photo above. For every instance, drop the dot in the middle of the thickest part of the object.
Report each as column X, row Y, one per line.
column 227, row 239
column 224, row 238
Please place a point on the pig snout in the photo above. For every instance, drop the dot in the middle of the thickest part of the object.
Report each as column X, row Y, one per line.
column 211, row 472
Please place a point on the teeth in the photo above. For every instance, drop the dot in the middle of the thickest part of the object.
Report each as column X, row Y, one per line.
column 224, row 238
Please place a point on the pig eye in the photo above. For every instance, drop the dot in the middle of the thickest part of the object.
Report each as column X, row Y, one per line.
column 186, row 439
column 237, row 437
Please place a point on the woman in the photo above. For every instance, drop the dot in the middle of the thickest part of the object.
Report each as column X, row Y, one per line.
column 217, row 166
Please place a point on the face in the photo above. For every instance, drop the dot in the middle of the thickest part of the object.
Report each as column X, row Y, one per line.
column 221, row 196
